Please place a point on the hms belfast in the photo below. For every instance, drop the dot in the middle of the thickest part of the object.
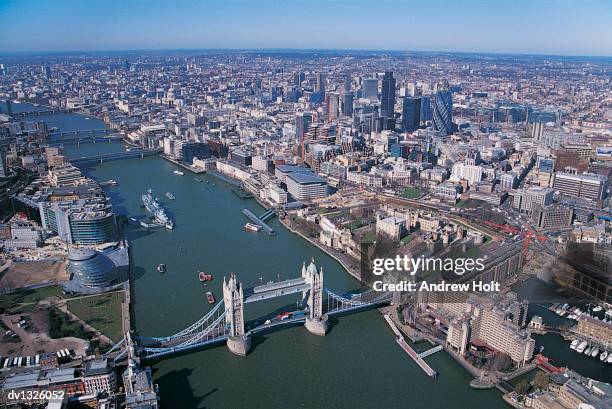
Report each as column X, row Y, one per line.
column 159, row 214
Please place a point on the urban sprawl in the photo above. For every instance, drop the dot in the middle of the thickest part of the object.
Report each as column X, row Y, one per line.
column 368, row 155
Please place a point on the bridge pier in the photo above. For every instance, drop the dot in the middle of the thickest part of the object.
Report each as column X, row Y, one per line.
column 317, row 326
column 240, row 344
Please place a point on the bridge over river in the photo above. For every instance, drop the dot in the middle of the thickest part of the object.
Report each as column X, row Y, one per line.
column 108, row 157
column 225, row 322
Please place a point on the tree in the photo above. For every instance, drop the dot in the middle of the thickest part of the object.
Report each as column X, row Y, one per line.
column 522, row 388
column 541, row 381
column 501, row 362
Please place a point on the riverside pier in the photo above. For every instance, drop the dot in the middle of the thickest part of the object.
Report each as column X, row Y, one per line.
column 418, row 358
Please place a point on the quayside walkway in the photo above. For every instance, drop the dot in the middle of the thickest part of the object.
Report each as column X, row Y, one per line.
column 399, row 338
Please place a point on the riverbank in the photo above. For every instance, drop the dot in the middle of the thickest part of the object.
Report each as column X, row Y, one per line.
column 327, row 251
column 287, row 225
column 183, row 165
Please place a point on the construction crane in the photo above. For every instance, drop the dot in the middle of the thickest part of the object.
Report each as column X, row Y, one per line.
column 528, row 236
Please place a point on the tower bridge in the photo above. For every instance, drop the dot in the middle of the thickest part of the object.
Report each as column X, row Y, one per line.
column 226, row 323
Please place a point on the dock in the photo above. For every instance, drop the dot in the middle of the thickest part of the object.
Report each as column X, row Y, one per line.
column 185, row 166
column 259, row 221
column 243, row 194
column 399, row 338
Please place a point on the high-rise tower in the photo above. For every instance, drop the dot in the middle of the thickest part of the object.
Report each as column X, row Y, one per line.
column 388, row 95
column 443, row 111
column 411, row 114
column 320, row 82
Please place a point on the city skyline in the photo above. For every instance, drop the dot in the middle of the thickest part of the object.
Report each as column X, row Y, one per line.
column 471, row 26
column 149, row 199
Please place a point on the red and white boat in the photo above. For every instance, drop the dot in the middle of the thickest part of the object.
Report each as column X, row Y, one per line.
column 204, row 277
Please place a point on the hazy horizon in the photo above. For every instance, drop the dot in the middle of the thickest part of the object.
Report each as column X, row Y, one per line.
column 564, row 27
column 287, row 50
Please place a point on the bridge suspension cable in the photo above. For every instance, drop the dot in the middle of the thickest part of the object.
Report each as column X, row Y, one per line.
column 337, row 303
column 197, row 326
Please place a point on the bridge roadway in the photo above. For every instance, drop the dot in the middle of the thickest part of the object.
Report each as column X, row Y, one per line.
column 77, row 132
column 275, row 289
column 219, row 334
column 107, row 157
column 83, row 140
column 205, row 333
column 46, row 112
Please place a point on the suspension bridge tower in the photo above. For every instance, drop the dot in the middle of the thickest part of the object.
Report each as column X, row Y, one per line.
column 316, row 321
column 238, row 341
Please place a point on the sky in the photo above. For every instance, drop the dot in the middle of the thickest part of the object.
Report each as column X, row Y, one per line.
column 566, row 27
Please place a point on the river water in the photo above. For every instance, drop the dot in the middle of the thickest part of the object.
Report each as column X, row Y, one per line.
column 357, row 365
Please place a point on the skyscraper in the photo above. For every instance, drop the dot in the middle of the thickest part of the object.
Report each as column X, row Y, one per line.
column 320, row 82
column 302, row 122
column 347, row 82
column 411, row 114
column 369, row 88
column 388, row 95
column 443, row 111
column 298, row 77
column 347, row 104
column 425, row 108
column 331, row 105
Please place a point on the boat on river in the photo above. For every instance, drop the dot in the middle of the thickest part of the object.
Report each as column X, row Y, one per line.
column 252, row 227
column 157, row 211
column 203, row 277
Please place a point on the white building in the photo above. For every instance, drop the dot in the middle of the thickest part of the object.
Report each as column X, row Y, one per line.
column 306, row 187
column 365, row 179
column 471, row 173
column 525, row 199
column 278, row 195
column 260, row 163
